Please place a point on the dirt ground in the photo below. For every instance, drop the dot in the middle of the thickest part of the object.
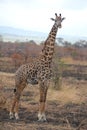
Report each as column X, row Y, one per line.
column 68, row 117
column 64, row 111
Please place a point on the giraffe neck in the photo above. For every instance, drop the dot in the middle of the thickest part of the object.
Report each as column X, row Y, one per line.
column 48, row 48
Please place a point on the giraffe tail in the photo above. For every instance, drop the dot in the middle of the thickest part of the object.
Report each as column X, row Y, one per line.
column 14, row 90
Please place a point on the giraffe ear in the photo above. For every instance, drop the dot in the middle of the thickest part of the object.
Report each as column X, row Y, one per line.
column 52, row 19
column 62, row 18
column 60, row 15
column 56, row 14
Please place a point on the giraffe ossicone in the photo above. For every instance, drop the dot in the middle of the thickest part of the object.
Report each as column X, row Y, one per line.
column 39, row 71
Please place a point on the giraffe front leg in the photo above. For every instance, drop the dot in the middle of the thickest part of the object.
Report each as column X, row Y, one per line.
column 41, row 114
column 43, row 94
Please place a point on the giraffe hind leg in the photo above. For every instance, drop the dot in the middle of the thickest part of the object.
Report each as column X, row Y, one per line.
column 12, row 109
column 15, row 104
column 11, row 114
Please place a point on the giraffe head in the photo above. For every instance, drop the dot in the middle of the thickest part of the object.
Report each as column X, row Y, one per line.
column 58, row 20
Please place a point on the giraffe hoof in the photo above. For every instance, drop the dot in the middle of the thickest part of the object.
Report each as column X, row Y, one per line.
column 11, row 115
column 42, row 120
column 41, row 117
column 16, row 116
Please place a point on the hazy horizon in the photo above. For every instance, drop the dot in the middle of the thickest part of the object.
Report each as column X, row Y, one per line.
column 16, row 34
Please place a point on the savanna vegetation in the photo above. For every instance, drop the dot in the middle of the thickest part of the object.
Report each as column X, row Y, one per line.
column 67, row 96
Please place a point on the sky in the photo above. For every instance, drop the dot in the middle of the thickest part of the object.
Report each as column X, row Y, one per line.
column 35, row 15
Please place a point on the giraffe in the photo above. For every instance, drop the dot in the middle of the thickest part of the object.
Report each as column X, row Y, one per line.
column 37, row 72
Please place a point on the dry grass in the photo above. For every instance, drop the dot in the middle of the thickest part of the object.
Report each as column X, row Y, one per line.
column 65, row 95
column 7, row 79
column 70, row 60
column 72, row 90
